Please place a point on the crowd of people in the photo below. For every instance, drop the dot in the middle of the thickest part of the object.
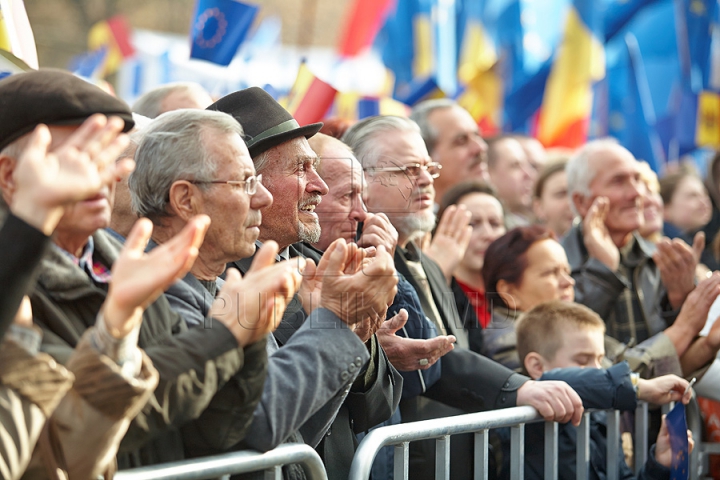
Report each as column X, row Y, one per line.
column 194, row 276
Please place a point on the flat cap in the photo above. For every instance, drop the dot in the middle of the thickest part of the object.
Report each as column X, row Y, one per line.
column 265, row 122
column 52, row 97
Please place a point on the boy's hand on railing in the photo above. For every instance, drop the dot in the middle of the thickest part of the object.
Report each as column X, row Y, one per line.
column 555, row 401
column 663, row 452
column 665, row 389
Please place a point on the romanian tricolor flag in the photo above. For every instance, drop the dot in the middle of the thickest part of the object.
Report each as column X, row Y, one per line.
column 114, row 35
column 310, row 98
column 16, row 38
column 362, row 23
column 579, row 62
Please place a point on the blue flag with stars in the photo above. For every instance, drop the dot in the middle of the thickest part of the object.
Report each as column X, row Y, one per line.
column 218, row 29
column 677, row 428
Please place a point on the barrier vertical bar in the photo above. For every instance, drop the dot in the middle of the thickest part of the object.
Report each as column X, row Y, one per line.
column 551, row 450
column 641, row 435
column 517, row 452
column 613, row 444
column 401, row 466
column 481, row 455
column 442, row 458
column 274, row 473
column 582, row 453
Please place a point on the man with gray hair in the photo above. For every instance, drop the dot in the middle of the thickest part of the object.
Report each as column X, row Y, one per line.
column 400, row 176
column 452, row 137
column 636, row 288
column 195, row 161
column 171, row 96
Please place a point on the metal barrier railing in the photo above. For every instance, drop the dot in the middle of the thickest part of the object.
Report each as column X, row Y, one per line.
column 480, row 423
column 237, row 462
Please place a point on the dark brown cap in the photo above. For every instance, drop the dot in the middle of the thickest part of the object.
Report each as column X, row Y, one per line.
column 52, row 97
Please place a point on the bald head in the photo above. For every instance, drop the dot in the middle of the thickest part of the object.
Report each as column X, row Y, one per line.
column 342, row 208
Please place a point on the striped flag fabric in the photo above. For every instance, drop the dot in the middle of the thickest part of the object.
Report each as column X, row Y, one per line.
column 17, row 41
column 580, row 61
column 362, row 22
column 113, row 35
column 310, row 98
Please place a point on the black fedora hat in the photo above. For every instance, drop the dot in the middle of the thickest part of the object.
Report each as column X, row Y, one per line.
column 265, row 122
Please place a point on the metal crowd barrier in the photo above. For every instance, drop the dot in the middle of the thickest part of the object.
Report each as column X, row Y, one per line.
column 400, row 435
column 237, row 462
column 480, row 423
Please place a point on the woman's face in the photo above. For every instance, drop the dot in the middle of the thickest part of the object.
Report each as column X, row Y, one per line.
column 553, row 207
column 486, row 220
column 547, row 277
column 690, row 207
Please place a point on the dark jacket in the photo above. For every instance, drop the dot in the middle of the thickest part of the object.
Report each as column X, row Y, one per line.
column 194, row 365
column 469, row 382
column 632, row 301
column 23, row 247
column 654, row 357
column 368, row 401
column 599, row 389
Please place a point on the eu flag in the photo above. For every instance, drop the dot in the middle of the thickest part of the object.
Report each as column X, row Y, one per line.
column 218, row 29
column 677, row 428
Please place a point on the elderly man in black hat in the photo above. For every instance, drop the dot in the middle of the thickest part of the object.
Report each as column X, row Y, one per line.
column 73, row 282
column 281, row 153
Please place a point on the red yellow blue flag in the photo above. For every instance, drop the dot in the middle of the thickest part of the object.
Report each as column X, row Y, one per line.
column 310, row 98
column 580, row 61
column 16, row 39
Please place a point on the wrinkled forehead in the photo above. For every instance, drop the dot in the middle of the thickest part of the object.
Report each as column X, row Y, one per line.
column 401, row 147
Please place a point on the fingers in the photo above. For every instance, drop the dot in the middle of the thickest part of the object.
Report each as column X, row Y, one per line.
column 139, row 236
column 333, row 260
column 698, row 244
column 38, row 143
column 396, row 322
column 265, row 256
column 23, row 317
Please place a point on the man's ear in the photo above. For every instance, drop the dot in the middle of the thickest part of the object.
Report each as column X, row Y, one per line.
column 582, row 203
column 7, row 182
column 184, row 200
column 534, row 364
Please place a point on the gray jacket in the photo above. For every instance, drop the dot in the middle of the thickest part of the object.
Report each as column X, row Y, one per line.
column 305, row 385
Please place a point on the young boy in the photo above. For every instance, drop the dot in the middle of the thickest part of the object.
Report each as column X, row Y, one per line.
column 556, row 336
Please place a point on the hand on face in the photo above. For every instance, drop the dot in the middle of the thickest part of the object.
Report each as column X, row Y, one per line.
column 252, row 306
column 677, row 261
column 597, row 238
column 79, row 168
column 139, row 278
column 377, row 230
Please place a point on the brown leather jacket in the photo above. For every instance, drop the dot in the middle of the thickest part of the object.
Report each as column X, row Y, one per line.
column 89, row 404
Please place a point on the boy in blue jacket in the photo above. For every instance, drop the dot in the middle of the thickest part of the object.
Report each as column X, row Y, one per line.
column 553, row 340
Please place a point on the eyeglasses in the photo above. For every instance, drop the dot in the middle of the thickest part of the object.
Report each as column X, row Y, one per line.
column 413, row 170
column 251, row 183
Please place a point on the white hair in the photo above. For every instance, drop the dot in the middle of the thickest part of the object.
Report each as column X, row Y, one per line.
column 361, row 136
column 580, row 171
